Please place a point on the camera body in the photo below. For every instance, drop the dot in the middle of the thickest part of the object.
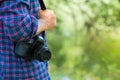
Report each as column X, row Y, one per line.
column 33, row 49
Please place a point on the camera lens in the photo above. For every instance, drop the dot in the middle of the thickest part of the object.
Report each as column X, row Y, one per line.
column 43, row 55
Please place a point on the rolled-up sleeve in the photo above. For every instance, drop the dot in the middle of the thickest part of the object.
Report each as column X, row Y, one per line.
column 18, row 24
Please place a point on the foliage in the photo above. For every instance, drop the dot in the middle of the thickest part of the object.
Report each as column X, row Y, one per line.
column 86, row 41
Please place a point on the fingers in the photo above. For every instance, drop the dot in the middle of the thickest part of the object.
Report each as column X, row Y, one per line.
column 43, row 13
column 48, row 17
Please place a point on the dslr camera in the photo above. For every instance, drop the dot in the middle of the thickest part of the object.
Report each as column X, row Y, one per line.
column 35, row 48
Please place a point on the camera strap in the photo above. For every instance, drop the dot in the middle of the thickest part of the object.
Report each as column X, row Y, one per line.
column 43, row 7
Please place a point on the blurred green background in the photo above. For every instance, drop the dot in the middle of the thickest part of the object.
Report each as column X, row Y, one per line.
column 85, row 44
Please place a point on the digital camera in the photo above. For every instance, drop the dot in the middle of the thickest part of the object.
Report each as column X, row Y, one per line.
column 33, row 49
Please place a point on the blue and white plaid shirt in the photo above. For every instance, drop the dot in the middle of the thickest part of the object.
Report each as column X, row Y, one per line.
column 19, row 21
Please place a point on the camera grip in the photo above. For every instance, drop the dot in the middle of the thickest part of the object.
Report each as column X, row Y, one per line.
column 22, row 48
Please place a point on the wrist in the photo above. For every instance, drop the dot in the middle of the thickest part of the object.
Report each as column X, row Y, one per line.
column 41, row 26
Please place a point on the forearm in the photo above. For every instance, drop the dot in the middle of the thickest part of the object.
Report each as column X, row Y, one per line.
column 47, row 20
column 41, row 26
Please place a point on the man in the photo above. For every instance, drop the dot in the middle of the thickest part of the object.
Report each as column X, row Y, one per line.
column 20, row 20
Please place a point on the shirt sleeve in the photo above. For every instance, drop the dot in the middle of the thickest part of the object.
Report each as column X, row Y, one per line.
column 18, row 24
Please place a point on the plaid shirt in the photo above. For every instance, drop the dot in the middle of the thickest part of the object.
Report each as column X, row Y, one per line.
column 18, row 21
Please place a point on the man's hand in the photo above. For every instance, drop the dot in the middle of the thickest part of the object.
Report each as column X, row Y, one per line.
column 47, row 20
